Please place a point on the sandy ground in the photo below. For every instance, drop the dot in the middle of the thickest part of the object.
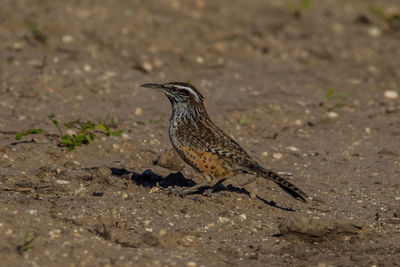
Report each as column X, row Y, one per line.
column 313, row 96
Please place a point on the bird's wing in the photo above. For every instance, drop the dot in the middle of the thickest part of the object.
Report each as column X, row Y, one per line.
column 206, row 136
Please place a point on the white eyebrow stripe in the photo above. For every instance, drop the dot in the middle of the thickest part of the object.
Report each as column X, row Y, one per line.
column 187, row 88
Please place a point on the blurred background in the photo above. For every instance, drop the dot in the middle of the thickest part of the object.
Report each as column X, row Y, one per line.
column 85, row 52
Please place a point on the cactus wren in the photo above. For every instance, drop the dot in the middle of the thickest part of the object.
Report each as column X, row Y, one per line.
column 205, row 147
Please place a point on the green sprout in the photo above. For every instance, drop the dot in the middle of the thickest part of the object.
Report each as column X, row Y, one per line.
column 298, row 9
column 38, row 35
column 55, row 122
column 337, row 100
column 245, row 120
column 86, row 132
column 19, row 135
column 27, row 244
column 107, row 130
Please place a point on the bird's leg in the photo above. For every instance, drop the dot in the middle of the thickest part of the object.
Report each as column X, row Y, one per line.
column 249, row 181
column 195, row 188
column 189, row 190
column 209, row 192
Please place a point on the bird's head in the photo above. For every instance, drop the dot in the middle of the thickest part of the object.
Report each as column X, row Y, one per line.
column 178, row 92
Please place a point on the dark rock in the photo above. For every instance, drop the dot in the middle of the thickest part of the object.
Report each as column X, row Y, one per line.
column 396, row 213
column 101, row 174
column 170, row 160
column 150, row 239
column 310, row 228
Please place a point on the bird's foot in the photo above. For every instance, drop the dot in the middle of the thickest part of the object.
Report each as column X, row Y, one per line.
column 183, row 193
column 210, row 192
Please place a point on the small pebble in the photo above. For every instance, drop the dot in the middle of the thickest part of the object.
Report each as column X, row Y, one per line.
column 158, row 62
column 223, row 219
column 35, row 63
column 372, row 69
column 147, row 66
column 191, row 264
column 264, row 154
column 70, row 132
column 187, row 241
column 125, row 136
column 332, row 114
column 200, row 60
column 67, row 39
column 32, row 212
column 298, row 122
column 375, row 32
column 61, row 182
column 116, row 146
column 292, row 148
column 87, row 68
column 110, row 74
column 391, row 94
column 221, row 47
column 17, row 46
column 243, row 217
column 138, row 111
column 277, row 155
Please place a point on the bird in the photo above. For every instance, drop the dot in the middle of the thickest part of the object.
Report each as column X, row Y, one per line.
column 206, row 147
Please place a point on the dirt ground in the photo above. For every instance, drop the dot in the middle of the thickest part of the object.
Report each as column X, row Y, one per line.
column 311, row 94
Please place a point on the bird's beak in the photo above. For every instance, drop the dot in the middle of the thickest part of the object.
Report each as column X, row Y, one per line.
column 153, row 86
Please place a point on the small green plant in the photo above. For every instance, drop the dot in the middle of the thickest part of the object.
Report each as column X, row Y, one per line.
column 85, row 132
column 27, row 244
column 245, row 120
column 393, row 20
column 19, row 135
column 108, row 130
column 38, row 35
column 298, row 9
column 55, row 122
column 334, row 100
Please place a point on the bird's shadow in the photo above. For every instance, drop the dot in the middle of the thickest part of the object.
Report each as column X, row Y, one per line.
column 23, row 142
column 150, row 179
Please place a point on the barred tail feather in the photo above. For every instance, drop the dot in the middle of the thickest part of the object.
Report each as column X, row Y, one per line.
column 288, row 187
